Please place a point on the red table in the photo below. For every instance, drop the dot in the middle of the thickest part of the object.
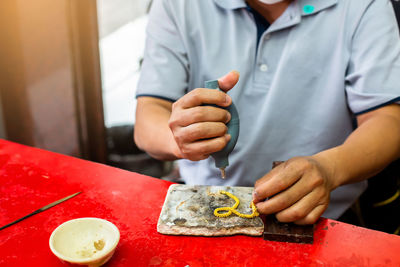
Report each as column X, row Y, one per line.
column 32, row 178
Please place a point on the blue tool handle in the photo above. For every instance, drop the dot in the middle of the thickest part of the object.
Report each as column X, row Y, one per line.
column 221, row 157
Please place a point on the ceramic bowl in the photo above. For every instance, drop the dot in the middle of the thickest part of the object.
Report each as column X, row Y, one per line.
column 85, row 241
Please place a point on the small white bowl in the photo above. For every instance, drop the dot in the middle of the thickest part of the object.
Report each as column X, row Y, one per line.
column 85, row 241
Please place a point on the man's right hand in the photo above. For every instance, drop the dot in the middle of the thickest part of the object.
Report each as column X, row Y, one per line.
column 200, row 130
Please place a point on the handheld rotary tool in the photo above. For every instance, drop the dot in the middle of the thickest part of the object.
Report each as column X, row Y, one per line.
column 221, row 157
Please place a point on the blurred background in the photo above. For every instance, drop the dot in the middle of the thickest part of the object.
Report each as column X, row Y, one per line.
column 68, row 75
column 122, row 33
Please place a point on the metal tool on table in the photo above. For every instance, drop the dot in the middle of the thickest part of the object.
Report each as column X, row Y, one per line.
column 221, row 157
column 40, row 210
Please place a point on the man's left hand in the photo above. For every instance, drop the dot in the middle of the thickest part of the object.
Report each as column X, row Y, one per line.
column 298, row 190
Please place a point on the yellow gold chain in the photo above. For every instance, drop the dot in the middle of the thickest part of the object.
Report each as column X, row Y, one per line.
column 232, row 209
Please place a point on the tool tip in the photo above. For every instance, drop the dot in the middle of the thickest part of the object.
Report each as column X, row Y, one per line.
column 223, row 173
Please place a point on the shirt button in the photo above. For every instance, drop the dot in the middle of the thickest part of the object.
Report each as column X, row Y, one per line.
column 263, row 67
column 268, row 36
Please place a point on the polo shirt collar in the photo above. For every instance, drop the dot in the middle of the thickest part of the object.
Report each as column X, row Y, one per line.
column 308, row 7
column 231, row 4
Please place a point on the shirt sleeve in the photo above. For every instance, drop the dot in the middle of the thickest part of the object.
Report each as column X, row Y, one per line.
column 373, row 74
column 165, row 67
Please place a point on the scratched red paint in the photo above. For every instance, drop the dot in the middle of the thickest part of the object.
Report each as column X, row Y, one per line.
column 31, row 178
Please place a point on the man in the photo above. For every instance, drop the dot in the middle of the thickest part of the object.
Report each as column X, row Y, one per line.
column 319, row 86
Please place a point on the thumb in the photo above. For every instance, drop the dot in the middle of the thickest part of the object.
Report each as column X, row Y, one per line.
column 228, row 81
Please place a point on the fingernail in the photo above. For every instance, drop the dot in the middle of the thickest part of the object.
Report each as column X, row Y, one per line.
column 228, row 117
column 227, row 137
column 227, row 99
column 237, row 72
column 255, row 198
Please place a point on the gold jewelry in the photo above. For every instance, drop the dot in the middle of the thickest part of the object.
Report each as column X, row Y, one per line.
column 233, row 208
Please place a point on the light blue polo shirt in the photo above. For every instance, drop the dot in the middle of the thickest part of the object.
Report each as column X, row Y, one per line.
column 319, row 64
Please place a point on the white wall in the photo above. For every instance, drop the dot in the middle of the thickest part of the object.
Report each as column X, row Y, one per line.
column 115, row 13
column 122, row 24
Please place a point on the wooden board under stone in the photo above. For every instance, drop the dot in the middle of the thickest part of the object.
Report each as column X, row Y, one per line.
column 286, row 232
column 189, row 210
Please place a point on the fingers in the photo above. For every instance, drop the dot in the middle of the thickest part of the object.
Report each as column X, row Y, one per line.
column 277, row 180
column 284, row 199
column 301, row 209
column 257, row 194
column 199, row 114
column 200, row 96
column 228, row 81
column 190, row 128
column 313, row 216
column 200, row 131
column 298, row 191
column 305, row 210
column 202, row 149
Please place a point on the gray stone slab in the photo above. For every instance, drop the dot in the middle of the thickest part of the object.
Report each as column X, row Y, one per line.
column 189, row 210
